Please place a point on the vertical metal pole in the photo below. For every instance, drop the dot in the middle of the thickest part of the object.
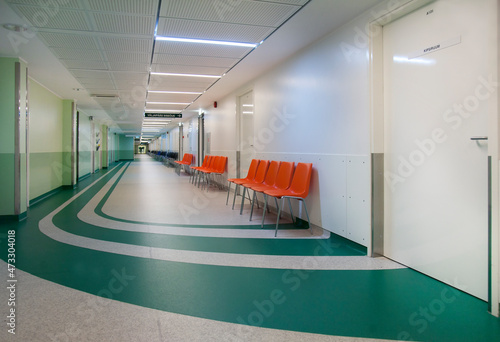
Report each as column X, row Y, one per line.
column 27, row 143
column 17, row 142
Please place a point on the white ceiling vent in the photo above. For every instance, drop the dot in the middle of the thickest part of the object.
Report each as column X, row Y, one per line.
column 104, row 96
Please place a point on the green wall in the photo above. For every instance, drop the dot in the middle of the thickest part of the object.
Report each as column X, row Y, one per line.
column 46, row 140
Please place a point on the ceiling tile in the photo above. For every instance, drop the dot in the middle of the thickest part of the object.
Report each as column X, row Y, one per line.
column 133, row 67
column 128, row 57
column 51, row 6
column 81, row 64
column 90, row 74
column 126, row 76
column 221, row 62
column 61, row 19
column 96, row 82
column 78, row 54
column 156, row 97
column 143, row 7
column 71, row 41
column 125, row 24
column 127, row 44
column 241, row 12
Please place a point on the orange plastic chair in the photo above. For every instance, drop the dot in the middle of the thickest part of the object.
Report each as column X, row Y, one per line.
column 186, row 160
column 211, row 169
column 210, row 165
column 272, row 173
column 218, row 169
column 260, row 175
column 250, row 175
column 195, row 168
column 282, row 182
column 299, row 189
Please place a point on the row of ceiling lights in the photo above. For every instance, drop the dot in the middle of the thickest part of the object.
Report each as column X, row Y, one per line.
column 151, row 127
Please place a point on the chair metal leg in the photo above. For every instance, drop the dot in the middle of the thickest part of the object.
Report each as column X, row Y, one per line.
column 291, row 210
column 253, row 201
column 308, row 221
column 276, row 201
column 228, row 189
column 235, row 192
column 278, row 219
column 264, row 212
column 243, row 200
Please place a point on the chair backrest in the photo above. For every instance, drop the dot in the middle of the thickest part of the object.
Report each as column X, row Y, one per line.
column 301, row 180
column 252, row 169
column 205, row 161
column 221, row 167
column 260, row 175
column 272, row 172
column 188, row 158
column 210, row 162
column 215, row 164
column 284, row 176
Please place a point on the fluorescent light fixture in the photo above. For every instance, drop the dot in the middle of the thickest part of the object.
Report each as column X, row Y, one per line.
column 247, row 112
column 174, row 92
column 248, row 105
column 184, row 75
column 205, row 41
column 170, row 103
column 161, row 110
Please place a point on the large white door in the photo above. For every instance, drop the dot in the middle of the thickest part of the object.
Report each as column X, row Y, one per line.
column 437, row 82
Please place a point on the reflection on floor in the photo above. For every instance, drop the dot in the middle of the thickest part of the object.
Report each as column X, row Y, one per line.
column 137, row 253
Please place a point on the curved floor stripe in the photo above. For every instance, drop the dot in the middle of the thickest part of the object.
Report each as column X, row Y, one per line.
column 88, row 215
column 318, row 262
column 220, row 259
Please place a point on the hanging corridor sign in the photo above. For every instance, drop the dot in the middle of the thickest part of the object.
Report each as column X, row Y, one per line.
column 163, row 115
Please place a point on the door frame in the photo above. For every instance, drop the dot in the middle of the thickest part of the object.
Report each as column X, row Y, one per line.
column 377, row 122
column 239, row 127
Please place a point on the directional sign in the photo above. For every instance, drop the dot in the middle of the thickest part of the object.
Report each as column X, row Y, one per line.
column 163, row 115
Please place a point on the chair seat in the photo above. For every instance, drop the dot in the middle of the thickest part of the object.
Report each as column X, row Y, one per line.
column 284, row 193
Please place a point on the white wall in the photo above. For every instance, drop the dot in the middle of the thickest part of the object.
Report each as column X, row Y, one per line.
column 313, row 108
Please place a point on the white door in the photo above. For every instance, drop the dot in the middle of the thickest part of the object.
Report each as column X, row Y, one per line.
column 437, row 82
column 246, row 112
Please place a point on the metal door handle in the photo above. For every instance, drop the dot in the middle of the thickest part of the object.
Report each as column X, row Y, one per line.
column 479, row 138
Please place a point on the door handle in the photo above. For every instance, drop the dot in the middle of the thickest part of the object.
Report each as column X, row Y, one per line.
column 479, row 138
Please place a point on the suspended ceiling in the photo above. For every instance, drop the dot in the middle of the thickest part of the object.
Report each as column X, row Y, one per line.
column 104, row 52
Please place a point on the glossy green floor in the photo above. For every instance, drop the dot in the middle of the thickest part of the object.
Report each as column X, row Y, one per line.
column 387, row 304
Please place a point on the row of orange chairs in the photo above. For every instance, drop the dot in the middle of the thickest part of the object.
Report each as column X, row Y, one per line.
column 276, row 179
column 212, row 166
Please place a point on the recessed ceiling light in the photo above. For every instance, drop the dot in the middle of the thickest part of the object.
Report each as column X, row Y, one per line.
column 174, row 92
column 205, row 41
column 15, row 27
column 184, row 75
column 161, row 110
column 170, row 103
